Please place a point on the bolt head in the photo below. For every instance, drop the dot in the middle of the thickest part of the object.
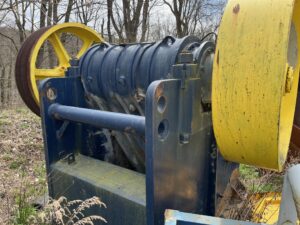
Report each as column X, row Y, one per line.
column 184, row 138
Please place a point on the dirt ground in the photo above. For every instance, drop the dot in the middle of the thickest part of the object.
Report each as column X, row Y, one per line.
column 22, row 167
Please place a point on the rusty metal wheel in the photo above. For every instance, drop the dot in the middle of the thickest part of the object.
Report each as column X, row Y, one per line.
column 27, row 73
column 22, row 71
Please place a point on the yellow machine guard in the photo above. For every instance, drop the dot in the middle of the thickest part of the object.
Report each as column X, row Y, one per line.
column 255, row 81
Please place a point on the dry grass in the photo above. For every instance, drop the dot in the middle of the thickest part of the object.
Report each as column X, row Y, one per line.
column 254, row 194
column 21, row 161
column 64, row 212
column 23, row 177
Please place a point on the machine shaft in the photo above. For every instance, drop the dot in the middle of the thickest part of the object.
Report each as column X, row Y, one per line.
column 101, row 119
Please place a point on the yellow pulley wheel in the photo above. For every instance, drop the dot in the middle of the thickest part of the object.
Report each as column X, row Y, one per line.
column 26, row 71
column 255, row 81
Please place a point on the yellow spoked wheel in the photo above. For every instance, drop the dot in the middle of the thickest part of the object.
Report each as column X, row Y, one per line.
column 28, row 74
column 255, row 81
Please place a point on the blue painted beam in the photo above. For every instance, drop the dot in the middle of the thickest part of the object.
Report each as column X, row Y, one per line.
column 101, row 119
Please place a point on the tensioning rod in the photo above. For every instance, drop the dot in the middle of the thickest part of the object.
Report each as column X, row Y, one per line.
column 101, row 119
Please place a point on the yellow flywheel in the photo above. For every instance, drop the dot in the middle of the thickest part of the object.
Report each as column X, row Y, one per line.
column 28, row 74
column 255, row 81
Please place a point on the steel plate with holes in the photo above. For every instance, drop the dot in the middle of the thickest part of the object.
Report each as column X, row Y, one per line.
column 180, row 163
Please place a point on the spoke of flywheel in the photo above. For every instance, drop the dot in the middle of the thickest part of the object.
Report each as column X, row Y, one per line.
column 45, row 73
column 85, row 46
column 61, row 52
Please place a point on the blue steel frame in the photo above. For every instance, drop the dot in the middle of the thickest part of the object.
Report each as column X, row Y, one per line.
column 179, row 153
column 72, row 172
column 174, row 178
column 181, row 157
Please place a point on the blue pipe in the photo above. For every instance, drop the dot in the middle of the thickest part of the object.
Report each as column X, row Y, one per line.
column 101, row 119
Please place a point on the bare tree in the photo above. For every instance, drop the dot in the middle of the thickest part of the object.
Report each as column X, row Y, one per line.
column 19, row 9
column 116, row 22
column 55, row 11
column 191, row 15
column 128, row 18
column 69, row 10
column 43, row 13
column 145, row 20
column 88, row 10
column 161, row 28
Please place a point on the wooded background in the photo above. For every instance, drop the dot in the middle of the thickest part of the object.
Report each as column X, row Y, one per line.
column 119, row 21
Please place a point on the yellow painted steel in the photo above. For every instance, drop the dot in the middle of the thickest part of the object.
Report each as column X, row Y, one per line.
column 84, row 33
column 255, row 80
column 266, row 208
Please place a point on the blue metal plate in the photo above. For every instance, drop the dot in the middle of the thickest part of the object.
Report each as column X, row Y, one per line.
column 179, row 139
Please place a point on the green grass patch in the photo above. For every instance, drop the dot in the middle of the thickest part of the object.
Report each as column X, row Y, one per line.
column 248, row 172
column 16, row 165
column 260, row 181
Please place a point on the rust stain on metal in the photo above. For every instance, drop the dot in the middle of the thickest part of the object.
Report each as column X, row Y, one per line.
column 236, row 9
column 159, row 92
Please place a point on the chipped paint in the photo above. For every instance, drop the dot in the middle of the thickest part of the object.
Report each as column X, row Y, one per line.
column 236, row 9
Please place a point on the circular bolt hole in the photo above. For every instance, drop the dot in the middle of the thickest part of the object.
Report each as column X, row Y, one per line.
column 161, row 104
column 163, row 129
column 51, row 94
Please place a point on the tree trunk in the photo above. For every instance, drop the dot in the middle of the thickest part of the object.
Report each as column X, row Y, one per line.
column 55, row 14
column 69, row 10
column 109, row 5
column 145, row 20
column 43, row 13
column 102, row 28
column 2, row 86
column 111, row 18
column 9, row 85
column 51, row 54
column 50, row 11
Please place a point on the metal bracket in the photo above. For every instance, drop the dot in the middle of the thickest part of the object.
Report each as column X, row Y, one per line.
column 185, row 69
